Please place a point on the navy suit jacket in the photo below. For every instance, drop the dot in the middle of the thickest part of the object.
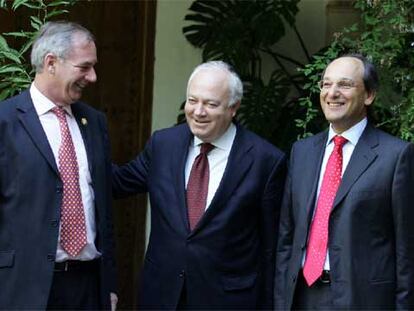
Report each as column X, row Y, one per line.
column 30, row 200
column 371, row 231
column 227, row 260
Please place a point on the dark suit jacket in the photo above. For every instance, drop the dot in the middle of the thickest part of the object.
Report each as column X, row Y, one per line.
column 30, row 200
column 227, row 260
column 371, row 231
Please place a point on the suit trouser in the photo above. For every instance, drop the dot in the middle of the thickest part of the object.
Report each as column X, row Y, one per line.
column 75, row 286
column 316, row 297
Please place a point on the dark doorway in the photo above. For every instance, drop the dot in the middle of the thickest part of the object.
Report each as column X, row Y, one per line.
column 125, row 32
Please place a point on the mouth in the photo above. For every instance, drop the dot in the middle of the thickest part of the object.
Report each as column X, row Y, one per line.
column 80, row 86
column 335, row 104
column 200, row 122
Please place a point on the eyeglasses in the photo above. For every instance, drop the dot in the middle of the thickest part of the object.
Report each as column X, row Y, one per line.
column 342, row 85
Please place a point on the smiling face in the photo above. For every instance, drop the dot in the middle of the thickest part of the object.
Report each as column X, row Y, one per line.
column 343, row 98
column 206, row 109
column 72, row 74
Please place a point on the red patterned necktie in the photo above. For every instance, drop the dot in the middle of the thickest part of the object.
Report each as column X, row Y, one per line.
column 73, row 227
column 197, row 187
column 318, row 240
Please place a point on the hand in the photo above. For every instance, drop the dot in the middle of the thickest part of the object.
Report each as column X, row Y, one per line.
column 114, row 301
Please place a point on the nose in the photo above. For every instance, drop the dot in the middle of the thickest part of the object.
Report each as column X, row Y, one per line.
column 91, row 76
column 199, row 109
column 333, row 91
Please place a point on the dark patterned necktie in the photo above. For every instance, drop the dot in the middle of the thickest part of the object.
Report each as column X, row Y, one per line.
column 197, row 187
column 73, row 227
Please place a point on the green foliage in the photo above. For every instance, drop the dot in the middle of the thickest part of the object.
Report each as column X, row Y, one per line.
column 15, row 72
column 243, row 33
column 386, row 36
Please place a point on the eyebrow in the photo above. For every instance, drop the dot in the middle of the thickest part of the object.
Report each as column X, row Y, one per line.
column 87, row 63
column 341, row 79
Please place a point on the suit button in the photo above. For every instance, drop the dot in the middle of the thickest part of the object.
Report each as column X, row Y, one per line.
column 59, row 190
column 182, row 274
column 50, row 257
column 54, row 223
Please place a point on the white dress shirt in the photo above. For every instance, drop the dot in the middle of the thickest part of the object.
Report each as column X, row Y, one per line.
column 51, row 127
column 217, row 159
column 352, row 135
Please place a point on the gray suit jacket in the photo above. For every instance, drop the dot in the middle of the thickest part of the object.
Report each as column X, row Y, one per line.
column 371, row 231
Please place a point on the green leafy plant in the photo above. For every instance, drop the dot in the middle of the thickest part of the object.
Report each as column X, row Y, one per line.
column 15, row 72
column 244, row 34
column 386, row 36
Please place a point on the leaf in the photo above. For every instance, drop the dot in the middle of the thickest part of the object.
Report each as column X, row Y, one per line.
column 23, row 34
column 4, row 94
column 3, row 4
column 19, row 80
column 57, row 3
column 32, row 6
column 11, row 55
column 26, row 3
column 3, row 44
column 11, row 69
column 35, row 22
column 26, row 46
column 17, row 4
column 55, row 13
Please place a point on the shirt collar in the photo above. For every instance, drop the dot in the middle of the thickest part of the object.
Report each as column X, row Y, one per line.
column 352, row 134
column 43, row 104
column 224, row 142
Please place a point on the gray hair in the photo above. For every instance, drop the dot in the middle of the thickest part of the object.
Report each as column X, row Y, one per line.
column 56, row 38
column 235, row 84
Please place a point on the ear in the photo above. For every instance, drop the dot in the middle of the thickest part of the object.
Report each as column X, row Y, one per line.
column 234, row 108
column 369, row 99
column 49, row 63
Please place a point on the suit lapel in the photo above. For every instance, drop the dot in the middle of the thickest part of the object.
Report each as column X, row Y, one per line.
column 312, row 171
column 238, row 164
column 85, row 129
column 361, row 159
column 30, row 121
column 178, row 161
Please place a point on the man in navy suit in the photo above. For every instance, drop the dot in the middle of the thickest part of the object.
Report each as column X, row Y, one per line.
column 222, row 257
column 367, row 258
column 56, row 241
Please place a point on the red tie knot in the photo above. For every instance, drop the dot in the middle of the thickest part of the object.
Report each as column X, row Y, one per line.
column 206, row 148
column 339, row 141
column 59, row 112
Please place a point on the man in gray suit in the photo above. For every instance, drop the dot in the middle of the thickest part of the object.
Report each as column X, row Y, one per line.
column 346, row 236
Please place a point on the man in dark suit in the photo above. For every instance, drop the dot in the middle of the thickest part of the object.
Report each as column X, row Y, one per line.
column 215, row 190
column 56, row 243
column 346, row 238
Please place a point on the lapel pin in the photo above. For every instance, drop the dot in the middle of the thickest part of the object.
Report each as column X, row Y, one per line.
column 84, row 121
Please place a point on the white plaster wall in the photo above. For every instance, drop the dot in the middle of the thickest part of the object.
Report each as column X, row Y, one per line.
column 174, row 60
column 311, row 24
